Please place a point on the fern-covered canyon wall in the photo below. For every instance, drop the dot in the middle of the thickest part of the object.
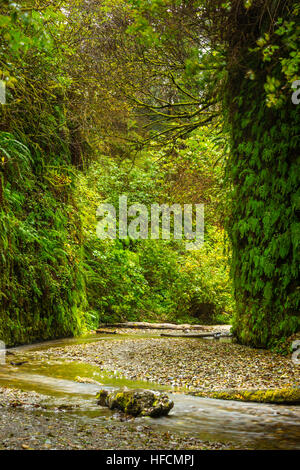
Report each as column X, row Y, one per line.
column 105, row 98
column 265, row 173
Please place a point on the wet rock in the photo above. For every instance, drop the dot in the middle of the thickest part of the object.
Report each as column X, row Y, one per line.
column 137, row 402
column 86, row 380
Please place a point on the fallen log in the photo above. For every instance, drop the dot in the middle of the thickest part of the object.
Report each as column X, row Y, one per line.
column 105, row 332
column 155, row 326
column 200, row 335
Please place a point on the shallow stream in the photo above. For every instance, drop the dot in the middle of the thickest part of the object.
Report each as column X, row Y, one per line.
column 250, row 425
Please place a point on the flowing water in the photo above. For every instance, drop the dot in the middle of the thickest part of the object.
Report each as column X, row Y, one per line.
column 251, row 425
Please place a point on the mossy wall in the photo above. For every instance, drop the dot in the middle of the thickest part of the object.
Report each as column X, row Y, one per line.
column 265, row 174
column 42, row 288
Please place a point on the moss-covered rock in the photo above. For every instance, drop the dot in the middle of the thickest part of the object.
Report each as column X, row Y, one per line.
column 279, row 395
column 136, row 402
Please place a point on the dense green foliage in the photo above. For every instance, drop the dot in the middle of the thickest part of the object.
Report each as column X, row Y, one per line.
column 41, row 282
column 57, row 277
column 265, row 172
column 41, row 278
column 239, row 61
column 150, row 279
column 152, row 100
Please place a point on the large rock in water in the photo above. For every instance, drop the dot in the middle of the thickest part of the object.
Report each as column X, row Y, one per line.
column 137, row 402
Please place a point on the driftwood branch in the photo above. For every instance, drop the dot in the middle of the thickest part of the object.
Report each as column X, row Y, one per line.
column 106, row 332
column 155, row 326
column 200, row 335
